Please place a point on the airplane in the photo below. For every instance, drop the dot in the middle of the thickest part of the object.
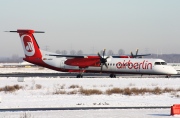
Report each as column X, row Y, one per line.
column 90, row 63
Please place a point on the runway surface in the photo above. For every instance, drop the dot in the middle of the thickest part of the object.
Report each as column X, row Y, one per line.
column 100, row 113
column 85, row 75
column 80, row 108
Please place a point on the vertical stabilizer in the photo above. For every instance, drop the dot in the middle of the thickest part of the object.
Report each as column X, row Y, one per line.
column 31, row 49
column 30, row 46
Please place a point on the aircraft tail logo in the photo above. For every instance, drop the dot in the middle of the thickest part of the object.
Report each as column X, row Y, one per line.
column 28, row 45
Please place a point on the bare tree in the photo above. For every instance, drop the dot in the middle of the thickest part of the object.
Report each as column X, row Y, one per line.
column 58, row 51
column 121, row 52
column 80, row 52
column 64, row 52
column 73, row 52
column 47, row 48
column 110, row 52
column 15, row 57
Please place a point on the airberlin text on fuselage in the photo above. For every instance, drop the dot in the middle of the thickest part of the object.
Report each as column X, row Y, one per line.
column 134, row 65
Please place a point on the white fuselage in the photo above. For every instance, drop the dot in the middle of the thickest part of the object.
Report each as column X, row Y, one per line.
column 118, row 65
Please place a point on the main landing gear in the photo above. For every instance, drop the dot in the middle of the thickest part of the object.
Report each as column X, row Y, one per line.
column 112, row 75
column 81, row 71
column 167, row 76
column 79, row 75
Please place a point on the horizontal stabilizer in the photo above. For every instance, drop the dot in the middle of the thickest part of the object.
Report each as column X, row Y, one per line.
column 26, row 31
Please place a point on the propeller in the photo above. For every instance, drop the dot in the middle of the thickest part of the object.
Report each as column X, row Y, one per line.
column 134, row 56
column 137, row 55
column 103, row 60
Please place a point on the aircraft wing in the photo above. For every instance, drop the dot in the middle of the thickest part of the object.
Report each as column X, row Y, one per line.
column 130, row 56
column 143, row 55
column 75, row 56
column 97, row 57
column 81, row 61
column 70, row 56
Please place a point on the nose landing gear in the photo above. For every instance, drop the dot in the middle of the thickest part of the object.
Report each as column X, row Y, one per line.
column 112, row 75
column 79, row 75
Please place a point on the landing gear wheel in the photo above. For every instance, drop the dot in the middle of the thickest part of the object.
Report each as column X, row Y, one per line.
column 79, row 76
column 167, row 76
column 112, row 75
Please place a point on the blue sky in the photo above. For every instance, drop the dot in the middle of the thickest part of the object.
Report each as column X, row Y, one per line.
column 152, row 26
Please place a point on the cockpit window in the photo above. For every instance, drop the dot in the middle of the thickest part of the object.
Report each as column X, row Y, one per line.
column 160, row 63
column 163, row 63
column 157, row 63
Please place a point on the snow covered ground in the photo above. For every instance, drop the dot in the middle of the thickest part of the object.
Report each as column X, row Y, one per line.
column 41, row 92
column 58, row 92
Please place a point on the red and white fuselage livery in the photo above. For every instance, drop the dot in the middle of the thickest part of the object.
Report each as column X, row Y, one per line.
column 94, row 64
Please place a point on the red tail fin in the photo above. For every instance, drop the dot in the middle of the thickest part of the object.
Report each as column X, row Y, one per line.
column 31, row 49
column 30, row 46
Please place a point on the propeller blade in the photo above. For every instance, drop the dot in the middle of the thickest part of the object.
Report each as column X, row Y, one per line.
column 103, row 60
column 99, row 55
column 104, row 52
column 132, row 54
column 137, row 52
column 106, row 65
column 107, row 57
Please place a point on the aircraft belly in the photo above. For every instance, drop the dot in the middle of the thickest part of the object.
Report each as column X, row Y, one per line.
column 128, row 70
column 163, row 69
column 145, row 71
column 53, row 62
column 94, row 68
column 71, row 67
